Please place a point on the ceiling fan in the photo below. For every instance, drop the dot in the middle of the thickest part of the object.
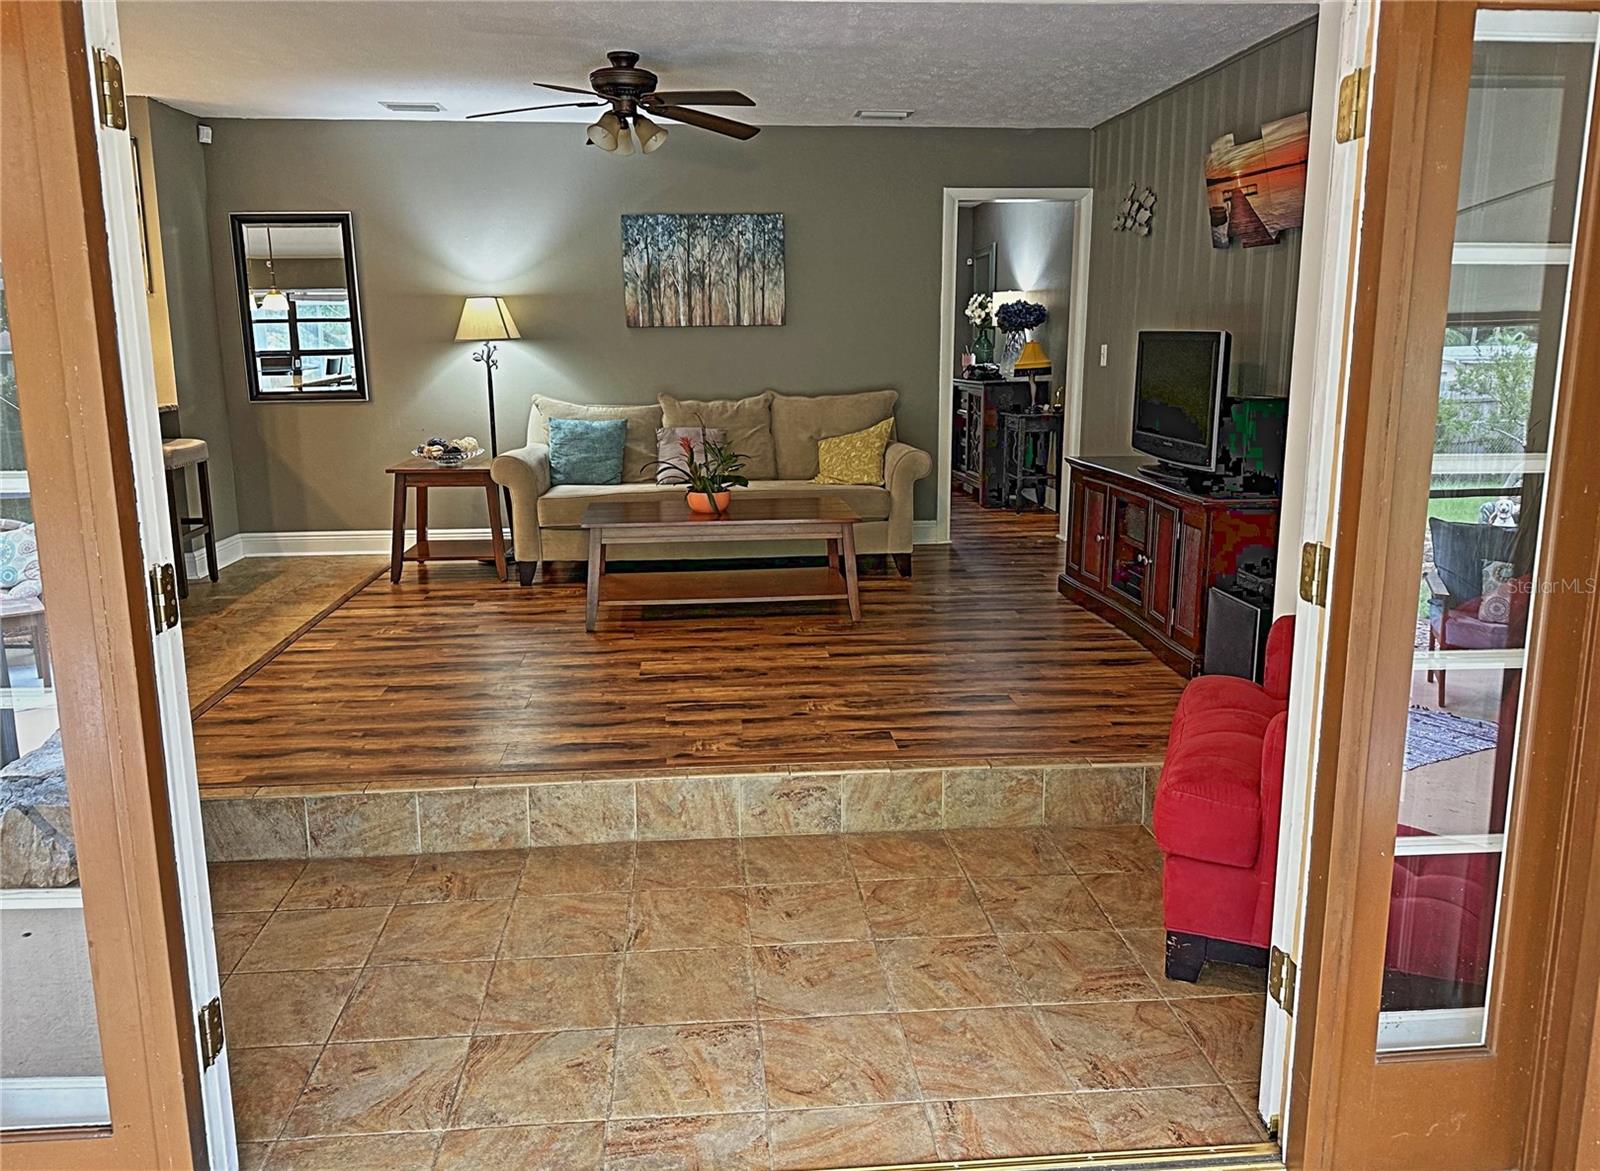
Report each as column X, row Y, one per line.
column 631, row 93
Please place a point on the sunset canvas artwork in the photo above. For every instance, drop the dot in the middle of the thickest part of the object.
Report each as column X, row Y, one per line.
column 1257, row 189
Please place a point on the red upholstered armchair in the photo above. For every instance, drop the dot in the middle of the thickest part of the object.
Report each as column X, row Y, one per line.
column 1216, row 814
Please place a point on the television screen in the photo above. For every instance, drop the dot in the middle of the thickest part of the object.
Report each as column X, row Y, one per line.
column 1178, row 391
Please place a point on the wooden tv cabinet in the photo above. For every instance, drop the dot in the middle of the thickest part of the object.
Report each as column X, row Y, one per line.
column 1143, row 554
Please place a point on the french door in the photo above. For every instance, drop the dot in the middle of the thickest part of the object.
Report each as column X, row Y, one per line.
column 1447, row 985
column 107, row 952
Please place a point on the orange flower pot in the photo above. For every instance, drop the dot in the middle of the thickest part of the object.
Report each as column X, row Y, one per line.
column 709, row 504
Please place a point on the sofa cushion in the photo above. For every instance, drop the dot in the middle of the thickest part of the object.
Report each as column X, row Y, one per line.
column 1208, row 801
column 799, row 421
column 643, row 421
column 587, row 451
column 856, row 458
column 669, row 449
column 747, row 422
column 563, row 507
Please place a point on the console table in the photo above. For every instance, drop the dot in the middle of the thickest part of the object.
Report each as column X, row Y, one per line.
column 975, row 457
column 1143, row 555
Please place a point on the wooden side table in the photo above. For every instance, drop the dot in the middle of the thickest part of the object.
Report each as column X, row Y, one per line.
column 1030, row 448
column 422, row 474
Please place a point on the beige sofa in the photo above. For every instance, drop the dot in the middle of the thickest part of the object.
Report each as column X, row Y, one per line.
column 779, row 432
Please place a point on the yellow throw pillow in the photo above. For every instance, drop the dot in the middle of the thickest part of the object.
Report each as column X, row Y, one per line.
column 856, row 458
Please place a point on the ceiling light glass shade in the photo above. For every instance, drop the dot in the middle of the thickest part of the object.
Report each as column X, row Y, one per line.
column 625, row 140
column 651, row 136
column 274, row 302
column 605, row 130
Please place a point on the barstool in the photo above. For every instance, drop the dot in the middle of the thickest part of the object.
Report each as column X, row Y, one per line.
column 178, row 454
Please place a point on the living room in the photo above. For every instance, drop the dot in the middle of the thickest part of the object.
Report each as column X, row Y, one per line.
column 785, row 834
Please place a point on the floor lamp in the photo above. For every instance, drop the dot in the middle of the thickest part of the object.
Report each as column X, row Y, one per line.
column 487, row 320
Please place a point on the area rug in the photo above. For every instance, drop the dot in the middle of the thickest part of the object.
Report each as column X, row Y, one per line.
column 1433, row 736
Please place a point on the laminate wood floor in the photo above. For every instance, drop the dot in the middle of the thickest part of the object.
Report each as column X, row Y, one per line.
column 451, row 673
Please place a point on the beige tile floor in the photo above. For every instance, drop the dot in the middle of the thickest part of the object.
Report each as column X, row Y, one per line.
column 796, row 1002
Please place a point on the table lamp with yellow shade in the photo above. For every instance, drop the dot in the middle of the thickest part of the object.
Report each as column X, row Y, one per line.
column 487, row 320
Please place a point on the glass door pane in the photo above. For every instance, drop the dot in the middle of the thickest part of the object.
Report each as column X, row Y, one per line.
column 51, row 1069
column 1527, row 117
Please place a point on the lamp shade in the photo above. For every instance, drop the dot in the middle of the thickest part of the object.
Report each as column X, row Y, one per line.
column 1033, row 357
column 486, row 319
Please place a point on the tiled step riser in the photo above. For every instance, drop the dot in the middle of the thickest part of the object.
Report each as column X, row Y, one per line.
column 514, row 816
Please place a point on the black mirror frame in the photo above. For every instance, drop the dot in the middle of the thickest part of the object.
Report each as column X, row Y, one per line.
column 237, row 222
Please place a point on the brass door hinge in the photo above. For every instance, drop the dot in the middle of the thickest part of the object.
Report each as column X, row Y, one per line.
column 164, row 596
column 1314, row 559
column 1352, row 116
column 211, row 1033
column 1281, row 974
column 108, row 80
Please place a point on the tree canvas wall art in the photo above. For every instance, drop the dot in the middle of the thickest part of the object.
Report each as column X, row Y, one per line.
column 703, row 268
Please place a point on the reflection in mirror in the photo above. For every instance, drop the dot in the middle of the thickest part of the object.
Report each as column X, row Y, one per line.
column 297, row 300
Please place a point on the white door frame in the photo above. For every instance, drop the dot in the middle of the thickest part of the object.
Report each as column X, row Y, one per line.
column 1077, row 327
column 149, row 475
column 1346, row 31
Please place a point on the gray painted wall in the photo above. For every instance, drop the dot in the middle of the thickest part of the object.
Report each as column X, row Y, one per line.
column 443, row 210
column 204, row 395
column 1174, row 279
column 1033, row 252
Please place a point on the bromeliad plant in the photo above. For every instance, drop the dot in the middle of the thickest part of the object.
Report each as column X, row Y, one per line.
column 709, row 473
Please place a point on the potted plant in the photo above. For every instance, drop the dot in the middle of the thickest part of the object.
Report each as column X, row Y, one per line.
column 709, row 475
column 980, row 312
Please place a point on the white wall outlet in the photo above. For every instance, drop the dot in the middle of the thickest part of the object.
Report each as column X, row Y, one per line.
column 203, row 132
column 1103, row 349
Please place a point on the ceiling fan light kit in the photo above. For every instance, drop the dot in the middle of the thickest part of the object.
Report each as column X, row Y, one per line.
column 631, row 92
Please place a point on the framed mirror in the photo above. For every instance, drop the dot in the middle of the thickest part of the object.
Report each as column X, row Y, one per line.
column 296, row 274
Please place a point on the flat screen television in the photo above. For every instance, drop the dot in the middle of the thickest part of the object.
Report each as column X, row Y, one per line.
column 1179, row 387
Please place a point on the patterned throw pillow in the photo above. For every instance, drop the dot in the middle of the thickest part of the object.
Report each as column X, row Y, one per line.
column 19, row 563
column 668, row 447
column 856, row 458
column 1495, row 604
column 587, row 451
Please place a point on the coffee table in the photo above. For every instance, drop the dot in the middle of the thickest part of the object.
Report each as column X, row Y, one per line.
column 668, row 520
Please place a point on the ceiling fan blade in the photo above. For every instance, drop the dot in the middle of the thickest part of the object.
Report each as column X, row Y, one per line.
column 699, row 97
column 566, row 89
column 527, row 109
column 713, row 122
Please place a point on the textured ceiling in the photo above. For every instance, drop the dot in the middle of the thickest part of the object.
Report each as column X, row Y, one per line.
column 805, row 62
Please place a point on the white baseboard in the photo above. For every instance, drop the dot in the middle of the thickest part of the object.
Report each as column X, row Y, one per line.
column 229, row 550
column 34, row 1102
column 344, row 542
column 375, row 542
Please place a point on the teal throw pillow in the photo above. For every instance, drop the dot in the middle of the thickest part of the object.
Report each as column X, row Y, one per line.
column 587, row 451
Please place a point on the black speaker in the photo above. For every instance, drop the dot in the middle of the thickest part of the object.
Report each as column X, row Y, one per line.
column 1236, row 633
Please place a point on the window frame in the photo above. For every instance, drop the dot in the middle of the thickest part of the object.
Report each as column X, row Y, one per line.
column 360, row 392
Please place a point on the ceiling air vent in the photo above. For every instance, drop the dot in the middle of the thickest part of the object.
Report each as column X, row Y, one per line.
column 883, row 115
column 413, row 107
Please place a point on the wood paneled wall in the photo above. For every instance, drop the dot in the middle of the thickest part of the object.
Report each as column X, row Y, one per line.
column 1174, row 278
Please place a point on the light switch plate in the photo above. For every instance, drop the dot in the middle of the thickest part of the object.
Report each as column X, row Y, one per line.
column 1103, row 355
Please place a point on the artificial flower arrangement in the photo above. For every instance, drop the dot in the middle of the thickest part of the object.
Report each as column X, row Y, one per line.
column 1020, row 316
column 980, row 312
column 707, row 476
column 448, row 451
